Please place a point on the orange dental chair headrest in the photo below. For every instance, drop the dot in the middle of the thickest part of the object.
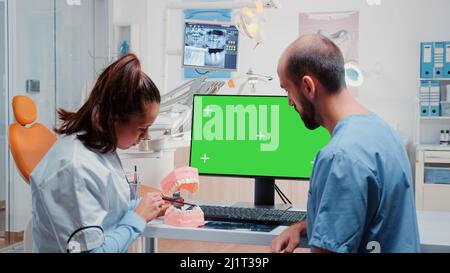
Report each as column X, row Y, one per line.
column 24, row 110
column 28, row 142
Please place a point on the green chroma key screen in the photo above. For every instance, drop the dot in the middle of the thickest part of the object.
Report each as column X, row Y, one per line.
column 252, row 136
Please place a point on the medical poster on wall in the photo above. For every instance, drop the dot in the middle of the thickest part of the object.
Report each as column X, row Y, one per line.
column 341, row 27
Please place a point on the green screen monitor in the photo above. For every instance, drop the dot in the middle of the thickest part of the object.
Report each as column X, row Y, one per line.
column 261, row 137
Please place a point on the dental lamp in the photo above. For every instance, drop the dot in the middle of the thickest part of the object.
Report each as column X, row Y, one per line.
column 249, row 23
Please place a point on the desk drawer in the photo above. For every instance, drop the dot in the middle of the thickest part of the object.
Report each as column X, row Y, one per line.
column 436, row 156
column 437, row 175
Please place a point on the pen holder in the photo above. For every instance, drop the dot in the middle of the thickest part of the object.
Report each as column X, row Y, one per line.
column 135, row 188
column 135, row 191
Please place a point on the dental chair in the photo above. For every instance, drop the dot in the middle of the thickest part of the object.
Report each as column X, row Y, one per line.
column 28, row 144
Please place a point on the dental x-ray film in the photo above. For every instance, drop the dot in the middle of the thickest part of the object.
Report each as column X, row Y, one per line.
column 210, row 45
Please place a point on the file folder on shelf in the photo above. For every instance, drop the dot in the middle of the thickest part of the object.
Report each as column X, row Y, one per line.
column 435, row 99
column 438, row 59
column 447, row 60
column 426, row 59
column 424, row 98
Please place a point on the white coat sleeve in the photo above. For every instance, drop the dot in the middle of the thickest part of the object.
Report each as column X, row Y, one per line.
column 76, row 202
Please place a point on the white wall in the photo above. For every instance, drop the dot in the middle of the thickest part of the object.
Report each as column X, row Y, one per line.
column 135, row 13
column 74, row 46
column 388, row 48
column 34, row 56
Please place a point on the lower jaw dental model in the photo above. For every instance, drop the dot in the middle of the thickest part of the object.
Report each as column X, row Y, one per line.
column 178, row 215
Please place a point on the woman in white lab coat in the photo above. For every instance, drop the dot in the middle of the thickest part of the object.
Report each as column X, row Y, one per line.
column 81, row 197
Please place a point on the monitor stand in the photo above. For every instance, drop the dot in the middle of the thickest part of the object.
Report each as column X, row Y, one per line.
column 264, row 196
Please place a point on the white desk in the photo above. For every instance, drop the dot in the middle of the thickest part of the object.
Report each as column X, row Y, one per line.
column 434, row 230
column 156, row 229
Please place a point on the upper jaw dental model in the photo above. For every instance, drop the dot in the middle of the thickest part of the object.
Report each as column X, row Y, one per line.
column 176, row 215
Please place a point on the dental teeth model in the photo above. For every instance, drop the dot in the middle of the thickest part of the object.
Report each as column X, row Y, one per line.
column 184, row 217
column 184, row 178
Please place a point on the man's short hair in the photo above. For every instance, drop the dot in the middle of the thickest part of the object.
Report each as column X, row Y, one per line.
column 318, row 57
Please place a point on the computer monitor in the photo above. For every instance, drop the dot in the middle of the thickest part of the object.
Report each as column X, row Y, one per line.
column 210, row 45
column 261, row 137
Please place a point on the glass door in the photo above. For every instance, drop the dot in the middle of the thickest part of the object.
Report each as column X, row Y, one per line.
column 81, row 43
column 3, row 119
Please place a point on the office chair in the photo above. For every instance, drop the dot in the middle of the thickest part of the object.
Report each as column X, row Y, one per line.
column 28, row 144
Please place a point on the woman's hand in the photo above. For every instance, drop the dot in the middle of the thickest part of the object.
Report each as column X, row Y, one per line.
column 150, row 206
column 145, row 189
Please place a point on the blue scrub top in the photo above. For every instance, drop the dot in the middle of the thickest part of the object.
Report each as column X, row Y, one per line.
column 361, row 196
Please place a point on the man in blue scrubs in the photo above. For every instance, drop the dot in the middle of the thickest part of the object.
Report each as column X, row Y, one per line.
column 361, row 195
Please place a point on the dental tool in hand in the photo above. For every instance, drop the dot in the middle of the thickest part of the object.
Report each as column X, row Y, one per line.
column 177, row 201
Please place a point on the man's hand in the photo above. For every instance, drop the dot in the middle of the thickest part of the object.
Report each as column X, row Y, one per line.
column 289, row 240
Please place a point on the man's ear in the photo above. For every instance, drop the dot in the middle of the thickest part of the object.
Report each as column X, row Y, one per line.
column 309, row 87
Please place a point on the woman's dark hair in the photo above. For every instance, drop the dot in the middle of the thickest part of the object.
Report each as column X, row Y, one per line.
column 120, row 92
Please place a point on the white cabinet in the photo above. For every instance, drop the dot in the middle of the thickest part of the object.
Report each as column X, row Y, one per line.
column 429, row 125
column 432, row 195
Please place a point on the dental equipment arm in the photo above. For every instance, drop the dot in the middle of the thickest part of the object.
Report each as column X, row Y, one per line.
column 176, row 106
